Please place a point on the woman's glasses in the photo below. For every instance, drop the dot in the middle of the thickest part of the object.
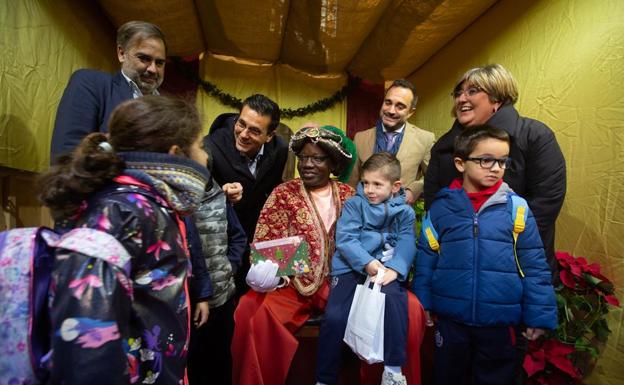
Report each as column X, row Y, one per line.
column 470, row 91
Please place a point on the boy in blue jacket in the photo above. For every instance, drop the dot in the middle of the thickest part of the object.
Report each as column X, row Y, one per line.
column 473, row 275
column 375, row 231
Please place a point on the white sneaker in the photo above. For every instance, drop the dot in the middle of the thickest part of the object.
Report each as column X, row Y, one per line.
column 390, row 378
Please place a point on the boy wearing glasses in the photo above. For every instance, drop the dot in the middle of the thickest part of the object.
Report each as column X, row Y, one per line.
column 471, row 273
column 375, row 232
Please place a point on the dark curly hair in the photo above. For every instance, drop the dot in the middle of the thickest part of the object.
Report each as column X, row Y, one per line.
column 148, row 124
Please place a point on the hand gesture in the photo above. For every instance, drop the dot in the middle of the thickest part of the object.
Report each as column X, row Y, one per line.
column 233, row 191
column 532, row 334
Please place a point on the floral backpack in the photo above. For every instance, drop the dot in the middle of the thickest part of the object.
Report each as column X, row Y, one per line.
column 26, row 262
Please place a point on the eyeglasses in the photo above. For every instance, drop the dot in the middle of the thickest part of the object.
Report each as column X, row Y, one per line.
column 488, row 163
column 470, row 91
column 315, row 159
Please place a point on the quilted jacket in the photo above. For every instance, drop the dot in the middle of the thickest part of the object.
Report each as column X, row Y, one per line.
column 363, row 229
column 474, row 279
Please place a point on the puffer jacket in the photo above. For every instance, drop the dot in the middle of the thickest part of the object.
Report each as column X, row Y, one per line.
column 474, row 279
column 364, row 228
column 223, row 243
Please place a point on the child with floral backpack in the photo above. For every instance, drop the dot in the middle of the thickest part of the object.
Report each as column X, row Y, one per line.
column 127, row 322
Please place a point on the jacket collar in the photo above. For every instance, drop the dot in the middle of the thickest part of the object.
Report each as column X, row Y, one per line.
column 122, row 86
column 499, row 197
column 504, row 118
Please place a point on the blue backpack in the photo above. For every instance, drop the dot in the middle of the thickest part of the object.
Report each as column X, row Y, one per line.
column 26, row 262
column 519, row 213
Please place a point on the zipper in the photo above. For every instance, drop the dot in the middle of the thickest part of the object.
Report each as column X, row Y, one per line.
column 475, row 233
column 381, row 240
column 475, row 226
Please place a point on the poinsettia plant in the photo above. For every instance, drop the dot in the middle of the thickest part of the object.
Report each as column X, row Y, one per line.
column 566, row 355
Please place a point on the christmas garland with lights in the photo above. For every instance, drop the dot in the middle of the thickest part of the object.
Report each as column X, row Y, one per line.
column 287, row 113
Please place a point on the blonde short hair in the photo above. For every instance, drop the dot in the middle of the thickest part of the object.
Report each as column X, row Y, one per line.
column 494, row 80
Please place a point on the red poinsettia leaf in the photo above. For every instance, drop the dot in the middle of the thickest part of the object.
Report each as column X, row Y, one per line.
column 576, row 270
column 581, row 261
column 534, row 362
column 557, row 348
column 565, row 365
column 594, row 269
column 564, row 258
column 612, row 300
column 567, row 279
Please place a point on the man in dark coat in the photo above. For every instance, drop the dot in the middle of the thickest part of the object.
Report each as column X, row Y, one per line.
column 91, row 96
column 245, row 149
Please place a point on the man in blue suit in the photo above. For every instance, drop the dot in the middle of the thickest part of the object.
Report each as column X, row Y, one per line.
column 91, row 96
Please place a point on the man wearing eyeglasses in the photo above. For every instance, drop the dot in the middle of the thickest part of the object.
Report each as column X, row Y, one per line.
column 245, row 150
column 91, row 96
column 394, row 134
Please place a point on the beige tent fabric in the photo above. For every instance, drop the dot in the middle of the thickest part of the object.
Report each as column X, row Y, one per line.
column 42, row 44
column 288, row 87
column 177, row 19
column 373, row 39
column 410, row 33
column 325, row 39
column 250, row 30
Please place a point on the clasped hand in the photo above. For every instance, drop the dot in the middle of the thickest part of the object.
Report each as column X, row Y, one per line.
column 373, row 267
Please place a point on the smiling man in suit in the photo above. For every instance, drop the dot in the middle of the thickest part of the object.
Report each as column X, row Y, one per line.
column 91, row 96
column 394, row 134
column 245, row 149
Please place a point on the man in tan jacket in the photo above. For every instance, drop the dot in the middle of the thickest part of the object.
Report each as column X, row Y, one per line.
column 410, row 144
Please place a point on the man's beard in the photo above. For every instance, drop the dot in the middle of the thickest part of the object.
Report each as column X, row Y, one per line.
column 148, row 88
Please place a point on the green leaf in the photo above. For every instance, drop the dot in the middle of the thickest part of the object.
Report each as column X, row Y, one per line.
column 561, row 301
column 279, row 254
column 591, row 279
column 569, row 314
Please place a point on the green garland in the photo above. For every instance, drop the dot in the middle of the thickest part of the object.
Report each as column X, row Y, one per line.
column 287, row 113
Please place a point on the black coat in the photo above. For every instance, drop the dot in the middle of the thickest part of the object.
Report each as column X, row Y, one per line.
column 228, row 165
column 537, row 171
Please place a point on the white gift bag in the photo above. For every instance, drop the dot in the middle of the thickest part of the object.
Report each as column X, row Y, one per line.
column 365, row 327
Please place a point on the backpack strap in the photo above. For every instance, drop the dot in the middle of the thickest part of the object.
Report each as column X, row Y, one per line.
column 519, row 214
column 430, row 233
